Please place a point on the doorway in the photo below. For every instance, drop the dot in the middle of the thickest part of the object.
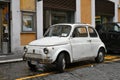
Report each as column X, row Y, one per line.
column 4, row 27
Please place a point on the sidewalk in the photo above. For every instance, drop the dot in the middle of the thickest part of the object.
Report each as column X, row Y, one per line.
column 10, row 57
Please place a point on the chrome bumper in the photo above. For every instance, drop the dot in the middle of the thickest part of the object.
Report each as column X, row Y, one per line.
column 36, row 57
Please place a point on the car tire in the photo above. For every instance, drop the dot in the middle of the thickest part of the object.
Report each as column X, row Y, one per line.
column 32, row 66
column 100, row 56
column 61, row 63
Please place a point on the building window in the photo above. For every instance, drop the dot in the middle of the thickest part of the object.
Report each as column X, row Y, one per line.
column 56, row 16
column 28, row 22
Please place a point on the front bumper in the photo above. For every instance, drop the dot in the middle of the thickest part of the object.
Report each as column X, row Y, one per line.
column 37, row 57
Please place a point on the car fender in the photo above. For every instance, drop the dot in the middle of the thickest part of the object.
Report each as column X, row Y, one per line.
column 102, row 46
column 54, row 57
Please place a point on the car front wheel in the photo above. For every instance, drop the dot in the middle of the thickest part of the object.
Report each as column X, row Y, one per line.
column 61, row 63
column 32, row 66
column 100, row 56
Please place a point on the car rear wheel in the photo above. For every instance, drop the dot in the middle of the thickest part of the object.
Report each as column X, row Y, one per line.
column 32, row 66
column 61, row 63
column 100, row 56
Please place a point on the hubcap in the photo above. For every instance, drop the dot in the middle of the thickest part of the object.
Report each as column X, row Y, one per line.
column 63, row 64
column 101, row 56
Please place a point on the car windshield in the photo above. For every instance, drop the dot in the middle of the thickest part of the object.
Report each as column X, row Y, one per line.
column 111, row 27
column 119, row 27
column 58, row 30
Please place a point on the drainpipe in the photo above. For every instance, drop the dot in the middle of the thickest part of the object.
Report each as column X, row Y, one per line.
column 115, row 19
column 39, row 13
column 116, row 2
column 78, row 11
column 93, row 12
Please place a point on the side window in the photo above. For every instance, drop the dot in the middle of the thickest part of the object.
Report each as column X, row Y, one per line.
column 92, row 32
column 116, row 28
column 80, row 32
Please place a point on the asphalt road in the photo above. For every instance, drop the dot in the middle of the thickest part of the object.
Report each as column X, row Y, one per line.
column 86, row 70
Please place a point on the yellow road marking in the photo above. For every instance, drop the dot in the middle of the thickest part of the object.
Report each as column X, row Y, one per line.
column 111, row 57
column 34, row 76
column 112, row 60
column 108, row 58
column 45, row 74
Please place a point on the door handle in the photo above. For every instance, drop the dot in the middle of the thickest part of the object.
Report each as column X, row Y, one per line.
column 89, row 40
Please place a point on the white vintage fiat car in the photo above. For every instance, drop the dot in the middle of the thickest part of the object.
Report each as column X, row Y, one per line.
column 63, row 44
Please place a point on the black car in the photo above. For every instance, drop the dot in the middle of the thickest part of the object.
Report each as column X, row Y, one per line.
column 110, row 35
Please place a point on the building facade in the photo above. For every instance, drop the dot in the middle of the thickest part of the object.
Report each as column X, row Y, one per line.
column 118, row 10
column 22, row 21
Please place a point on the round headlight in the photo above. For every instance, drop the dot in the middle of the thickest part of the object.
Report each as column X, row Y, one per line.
column 46, row 51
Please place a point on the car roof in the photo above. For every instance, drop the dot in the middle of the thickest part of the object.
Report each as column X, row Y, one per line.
column 74, row 24
column 112, row 23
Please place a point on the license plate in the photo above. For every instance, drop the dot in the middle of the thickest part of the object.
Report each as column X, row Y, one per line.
column 34, row 62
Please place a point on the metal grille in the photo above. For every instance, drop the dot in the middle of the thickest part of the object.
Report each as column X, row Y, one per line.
column 69, row 5
column 104, row 7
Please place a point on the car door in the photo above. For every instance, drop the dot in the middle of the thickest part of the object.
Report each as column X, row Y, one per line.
column 117, row 36
column 80, row 42
column 114, row 37
column 95, row 41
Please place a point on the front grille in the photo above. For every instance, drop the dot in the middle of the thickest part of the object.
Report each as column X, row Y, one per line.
column 37, row 57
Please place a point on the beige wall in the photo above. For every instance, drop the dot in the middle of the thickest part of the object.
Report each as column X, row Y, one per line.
column 27, row 37
column 119, row 15
column 86, row 11
column 27, row 5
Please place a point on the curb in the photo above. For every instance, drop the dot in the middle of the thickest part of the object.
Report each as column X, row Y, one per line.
column 11, row 60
